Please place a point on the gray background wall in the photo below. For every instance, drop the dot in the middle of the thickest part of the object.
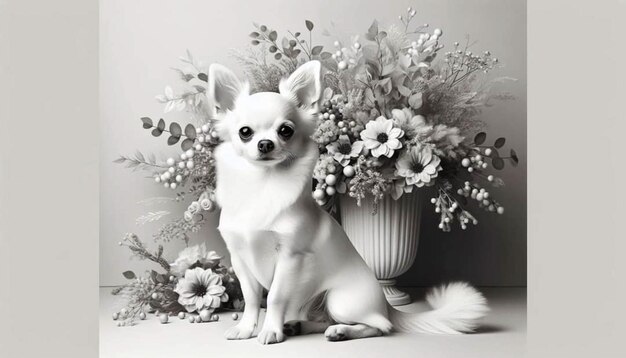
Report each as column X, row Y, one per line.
column 140, row 40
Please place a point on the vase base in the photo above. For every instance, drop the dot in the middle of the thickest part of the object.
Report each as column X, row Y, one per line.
column 394, row 296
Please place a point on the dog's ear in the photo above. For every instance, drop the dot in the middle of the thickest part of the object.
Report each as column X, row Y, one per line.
column 304, row 86
column 224, row 88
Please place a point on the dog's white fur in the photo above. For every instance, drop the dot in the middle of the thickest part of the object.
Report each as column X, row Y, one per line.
column 278, row 237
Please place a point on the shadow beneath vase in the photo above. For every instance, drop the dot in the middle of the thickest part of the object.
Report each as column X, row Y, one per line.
column 489, row 328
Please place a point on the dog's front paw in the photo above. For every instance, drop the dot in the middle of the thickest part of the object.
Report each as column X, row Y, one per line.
column 240, row 331
column 270, row 336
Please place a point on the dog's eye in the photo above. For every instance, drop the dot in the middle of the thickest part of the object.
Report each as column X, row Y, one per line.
column 245, row 133
column 285, row 131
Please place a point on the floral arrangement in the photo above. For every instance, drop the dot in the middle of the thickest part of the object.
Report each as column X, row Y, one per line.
column 194, row 286
column 396, row 116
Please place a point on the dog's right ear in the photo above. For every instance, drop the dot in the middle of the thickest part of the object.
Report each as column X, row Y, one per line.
column 224, row 88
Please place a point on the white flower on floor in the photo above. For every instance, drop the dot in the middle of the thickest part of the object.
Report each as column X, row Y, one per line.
column 200, row 289
column 381, row 137
column 343, row 151
column 196, row 255
column 419, row 166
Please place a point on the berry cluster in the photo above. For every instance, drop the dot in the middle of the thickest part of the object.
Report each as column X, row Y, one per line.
column 474, row 191
column 180, row 169
column 331, row 110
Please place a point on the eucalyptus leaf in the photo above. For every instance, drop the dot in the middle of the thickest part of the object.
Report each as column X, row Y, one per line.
column 161, row 124
column 186, row 144
column 172, row 140
column 129, row 275
column 325, row 55
column 480, row 138
column 255, row 42
column 175, row 129
column 499, row 142
column 203, row 77
column 254, row 34
column 278, row 55
column 316, row 50
column 415, row 101
column 190, row 131
column 147, row 122
column 514, row 158
column 157, row 132
column 273, row 36
column 309, row 25
column 497, row 163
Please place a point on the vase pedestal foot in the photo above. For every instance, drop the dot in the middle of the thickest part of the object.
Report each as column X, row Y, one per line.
column 394, row 296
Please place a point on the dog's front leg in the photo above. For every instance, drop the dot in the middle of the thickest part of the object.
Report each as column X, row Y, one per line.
column 252, row 292
column 281, row 293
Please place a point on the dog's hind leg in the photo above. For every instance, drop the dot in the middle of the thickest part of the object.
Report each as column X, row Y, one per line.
column 342, row 332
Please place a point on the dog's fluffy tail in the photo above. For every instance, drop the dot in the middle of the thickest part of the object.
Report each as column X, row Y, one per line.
column 457, row 308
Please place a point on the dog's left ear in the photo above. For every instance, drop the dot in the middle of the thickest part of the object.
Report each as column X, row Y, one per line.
column 224, row 88
column 304, row 86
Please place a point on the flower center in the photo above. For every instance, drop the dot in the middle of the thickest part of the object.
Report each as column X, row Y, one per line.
column 345, row 148
column 382, row 138
column 199, row 290
column 417, row 168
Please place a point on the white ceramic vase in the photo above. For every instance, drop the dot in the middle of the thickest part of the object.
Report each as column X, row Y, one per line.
column 388, row 240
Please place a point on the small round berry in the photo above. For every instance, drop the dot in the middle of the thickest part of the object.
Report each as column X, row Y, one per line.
column 490, row 178
column 190, row 153
column 198, row 130
column 484, row 165
column 183, row 156
column 192, row 319
column 157, row 179
column 470, row 169
column 485, row 195
column 116, row 316
column 331, row 179
column 357, row 45
column 181, row 165
column 338, row 53
column 437, row 210
column 437, row 32
column 179, row 178
column 447, row 220
column 337, row 44
column 342, row 65
column 205, row 128
column 198, row 147
column 352, row 123
column 433, row 200
column 171, row 170
column 478, row 157
column 500, row 210
column 235, row 316
column 190, row 165
column 155, row 296
column 330, row 190
column 326, row 115
column 163, row 317
column 344, row 130
column 173, row 185
column 485, row 202
column 318, row 194
column 214, row 134
column 341, row 124
column 320, row 202
column 479, row 196
column 167, row 175
column 332, row 117
column 198, row 319
column 170, row 161
column 166, row 185
column 348, row 171
column 181, row 315
column 215, row 318
column 488, row 151
column 465, row 162
column 440, row 225
column 142, row 315
column 205, row 315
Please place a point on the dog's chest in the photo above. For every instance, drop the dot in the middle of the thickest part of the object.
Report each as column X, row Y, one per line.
column 258, row 250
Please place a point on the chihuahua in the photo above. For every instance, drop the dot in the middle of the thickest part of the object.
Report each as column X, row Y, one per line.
column 281, row 240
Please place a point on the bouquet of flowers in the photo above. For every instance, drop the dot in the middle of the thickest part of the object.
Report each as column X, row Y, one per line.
column 396, row 116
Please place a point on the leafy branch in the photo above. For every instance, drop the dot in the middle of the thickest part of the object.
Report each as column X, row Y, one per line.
column 175, row 131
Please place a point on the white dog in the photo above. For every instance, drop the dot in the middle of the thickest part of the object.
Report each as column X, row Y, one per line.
column 279, row 238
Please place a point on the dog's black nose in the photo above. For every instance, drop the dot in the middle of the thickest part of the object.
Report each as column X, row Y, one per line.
column 266, row 146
